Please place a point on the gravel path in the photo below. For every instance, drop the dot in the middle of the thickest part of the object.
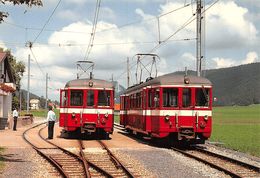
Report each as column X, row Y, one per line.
column 164, row 163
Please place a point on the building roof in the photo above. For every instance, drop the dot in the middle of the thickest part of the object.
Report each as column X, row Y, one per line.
column 2, row 56
column 3, row 59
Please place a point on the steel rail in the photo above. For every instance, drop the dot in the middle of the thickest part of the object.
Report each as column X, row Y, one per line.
column 81, row 158
column 82, row 147
column 249, row 166
column 85, row 165
column 232, row 174
column 50, row 160
column 115, row 160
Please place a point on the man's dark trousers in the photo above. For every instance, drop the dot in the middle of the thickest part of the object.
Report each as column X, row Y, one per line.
column 50, row 129
column 15, row 123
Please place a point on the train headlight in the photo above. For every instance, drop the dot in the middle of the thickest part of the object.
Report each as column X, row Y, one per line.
column 186, row 80
column 206, row 117
column 90, row 84
column 106, row 115
column 73, row 115
column 167, row 118
column 103, row 121
column 202, row 124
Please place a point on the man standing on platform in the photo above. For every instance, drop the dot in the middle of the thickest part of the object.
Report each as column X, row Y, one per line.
column 51, row 118
column 15, row 116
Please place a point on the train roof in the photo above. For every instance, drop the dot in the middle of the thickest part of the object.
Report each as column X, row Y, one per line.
column 89, row 83
column 172, row 79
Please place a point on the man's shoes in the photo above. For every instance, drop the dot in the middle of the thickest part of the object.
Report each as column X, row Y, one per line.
column 49, row 138
column 15, row 130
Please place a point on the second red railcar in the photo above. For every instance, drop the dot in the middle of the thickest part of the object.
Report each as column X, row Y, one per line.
column 172, row 106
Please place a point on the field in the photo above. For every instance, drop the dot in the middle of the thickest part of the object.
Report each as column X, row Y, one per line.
column 237, row 128
column 40, row 113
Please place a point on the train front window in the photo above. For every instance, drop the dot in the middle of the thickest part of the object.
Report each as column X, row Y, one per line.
column 76, row 98
column 90, row 98
column 104, row 98
column 64, row 98
column 170, row 97
column 202, row 97
column 186, row 97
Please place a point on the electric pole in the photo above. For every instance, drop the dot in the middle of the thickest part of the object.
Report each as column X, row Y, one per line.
column 128, row 73
column 28, row 85
column 200, row 36
column 46, row 102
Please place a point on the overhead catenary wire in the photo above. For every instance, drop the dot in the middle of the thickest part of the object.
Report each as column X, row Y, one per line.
column 47, row 21
column 190, row 20
column 94, row 27
column 36, row 61
column 112, row 28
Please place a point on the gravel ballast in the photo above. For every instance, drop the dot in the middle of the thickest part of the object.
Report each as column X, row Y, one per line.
column 163, row 163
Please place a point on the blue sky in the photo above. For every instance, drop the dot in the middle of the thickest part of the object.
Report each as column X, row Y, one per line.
column 125, row 28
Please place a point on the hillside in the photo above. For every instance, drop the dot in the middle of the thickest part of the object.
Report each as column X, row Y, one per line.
column 239, row 85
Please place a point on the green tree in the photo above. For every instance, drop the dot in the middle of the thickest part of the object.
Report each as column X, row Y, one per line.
column 18, row 2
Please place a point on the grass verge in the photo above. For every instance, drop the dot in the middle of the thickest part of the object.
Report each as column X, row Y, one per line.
column 237, row 128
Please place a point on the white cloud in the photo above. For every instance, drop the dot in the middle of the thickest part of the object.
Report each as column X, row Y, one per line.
column 223, row 63
column 2, row 45
column 107, row 14
column 251, row 57
column 227, row 26
column 219, row 62
column 68, row 15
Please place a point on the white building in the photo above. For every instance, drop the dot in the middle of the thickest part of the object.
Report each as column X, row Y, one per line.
column 7, row 86
column 34, row 103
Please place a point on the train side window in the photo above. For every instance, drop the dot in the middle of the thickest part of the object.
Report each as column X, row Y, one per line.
column 150, row 98
column 186, row 97
column 76, row 98
column 103, row 98
column 90, row 98
column 157, row 99
column 202, row 97
column 64, row 98
column 170, row 97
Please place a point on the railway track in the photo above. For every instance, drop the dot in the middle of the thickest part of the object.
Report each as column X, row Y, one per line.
column 82, row 164
column 106, row 160
column 66, row 163
column 230, row 166
column 118, row 126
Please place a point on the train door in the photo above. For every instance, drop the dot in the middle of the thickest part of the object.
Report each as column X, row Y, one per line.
column 63, row 121
column 144, row 109
column 188, row 118
column 150, row 127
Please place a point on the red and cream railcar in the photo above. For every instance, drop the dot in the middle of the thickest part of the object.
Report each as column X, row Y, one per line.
column 87, row 105
column 174, row 107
